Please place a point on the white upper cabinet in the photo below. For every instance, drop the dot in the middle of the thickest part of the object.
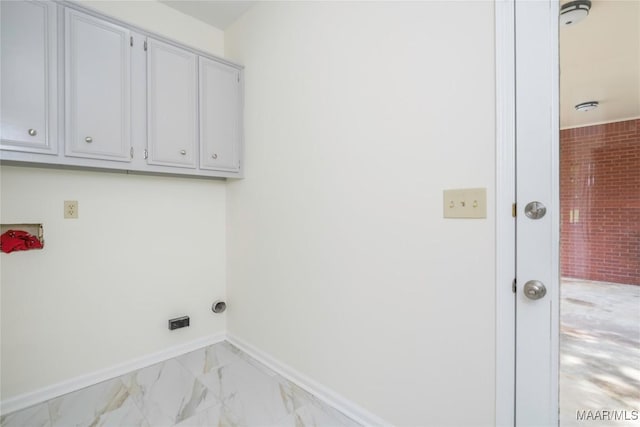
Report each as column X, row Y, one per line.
column 172, row 103
column 28, row 103
column 98, row 88
column 85, row 90
column 219, row 116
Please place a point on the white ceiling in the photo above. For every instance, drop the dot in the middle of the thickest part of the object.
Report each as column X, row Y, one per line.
column 220, row 14
column 599, row 56
column 600, row 61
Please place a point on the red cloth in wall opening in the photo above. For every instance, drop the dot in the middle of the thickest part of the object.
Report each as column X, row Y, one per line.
column 17, row 240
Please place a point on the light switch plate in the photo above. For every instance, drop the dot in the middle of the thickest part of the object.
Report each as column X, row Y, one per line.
column 465, row 203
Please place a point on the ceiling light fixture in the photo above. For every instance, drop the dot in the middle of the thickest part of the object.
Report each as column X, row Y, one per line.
column 574, row 11
column 587, row 106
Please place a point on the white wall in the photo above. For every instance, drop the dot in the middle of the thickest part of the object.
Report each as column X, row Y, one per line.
column 161, row 19
column 145, row 249
column 340, row 264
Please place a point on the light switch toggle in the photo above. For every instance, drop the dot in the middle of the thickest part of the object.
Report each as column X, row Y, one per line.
column 465, row 203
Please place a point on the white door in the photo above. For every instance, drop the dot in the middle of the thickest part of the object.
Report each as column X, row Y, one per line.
column 28, row 112
column 172, row 105
column 98, row 88
column 219, row 116
column 537, row 232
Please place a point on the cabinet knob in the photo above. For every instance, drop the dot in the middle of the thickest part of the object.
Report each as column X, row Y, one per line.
column 88, row 140
column 214, row 156
column 33, row 132
column 183, row 152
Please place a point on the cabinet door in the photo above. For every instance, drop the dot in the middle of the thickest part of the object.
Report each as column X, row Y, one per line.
column 219, row 116
column 28, row 106
column 98, row 88
column 172, row 103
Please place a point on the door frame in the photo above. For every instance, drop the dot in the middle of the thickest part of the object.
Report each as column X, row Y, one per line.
column 505, row 222
column 506, row 340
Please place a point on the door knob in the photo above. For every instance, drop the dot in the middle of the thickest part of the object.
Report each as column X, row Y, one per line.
column 534, row 289
column 88, row 140
column 183, row 152
column 32, row 132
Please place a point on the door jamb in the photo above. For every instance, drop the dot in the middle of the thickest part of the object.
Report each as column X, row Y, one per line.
column 505, row 221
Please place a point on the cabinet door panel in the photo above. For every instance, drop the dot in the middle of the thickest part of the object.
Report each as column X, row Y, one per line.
column 98, row 88
column 172, row 105
column 219, row 116
column 28, row 111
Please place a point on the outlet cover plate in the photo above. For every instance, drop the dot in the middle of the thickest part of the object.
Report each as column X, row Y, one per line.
column 71, row 209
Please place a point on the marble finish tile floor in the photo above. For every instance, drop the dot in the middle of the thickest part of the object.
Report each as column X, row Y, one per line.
column 215, row 386
column 599, row 351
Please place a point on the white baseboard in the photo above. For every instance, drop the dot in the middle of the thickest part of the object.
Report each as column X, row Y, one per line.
column 323, row 393
column 42, row 395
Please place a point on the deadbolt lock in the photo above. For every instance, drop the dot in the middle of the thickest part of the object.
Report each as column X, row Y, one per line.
column 535, row 210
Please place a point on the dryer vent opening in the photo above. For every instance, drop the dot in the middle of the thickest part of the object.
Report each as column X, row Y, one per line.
column 219, row 307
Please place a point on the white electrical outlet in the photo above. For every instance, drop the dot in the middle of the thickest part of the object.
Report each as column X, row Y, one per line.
column 71, row 209
column 465, row 203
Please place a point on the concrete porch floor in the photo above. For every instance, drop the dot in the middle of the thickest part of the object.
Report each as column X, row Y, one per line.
column 599, row 350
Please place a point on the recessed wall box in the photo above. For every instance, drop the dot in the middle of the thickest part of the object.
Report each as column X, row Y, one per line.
column 36, row 230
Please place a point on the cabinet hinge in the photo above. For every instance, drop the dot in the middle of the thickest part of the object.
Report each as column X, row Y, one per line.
column 238, row 77
column 146, row 153
column 513, row 286
column 131, row 152
column 131, row 41
column 145, row 45
column 513, row 210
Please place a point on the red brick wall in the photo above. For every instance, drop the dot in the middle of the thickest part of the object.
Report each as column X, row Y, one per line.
column 600, row 178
